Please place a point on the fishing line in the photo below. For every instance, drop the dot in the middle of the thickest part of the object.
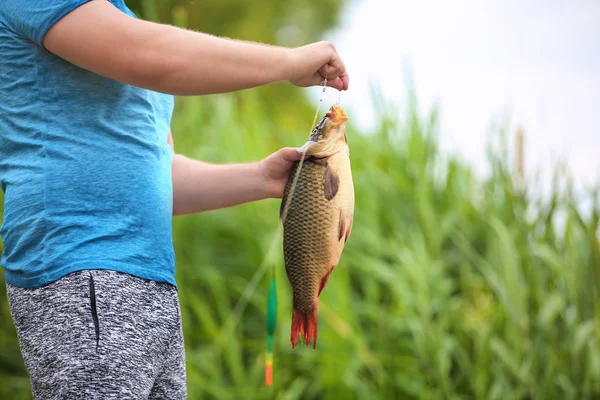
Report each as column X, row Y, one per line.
column 299, row 168
column 258, row 275
column 272, row 297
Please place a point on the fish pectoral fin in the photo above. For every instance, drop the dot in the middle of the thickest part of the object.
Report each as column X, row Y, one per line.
column 345, row 225
column 331, row 181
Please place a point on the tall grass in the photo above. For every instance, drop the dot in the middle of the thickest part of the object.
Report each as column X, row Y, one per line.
column 451, row 286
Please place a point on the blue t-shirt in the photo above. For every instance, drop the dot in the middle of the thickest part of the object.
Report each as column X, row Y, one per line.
column 84, row 161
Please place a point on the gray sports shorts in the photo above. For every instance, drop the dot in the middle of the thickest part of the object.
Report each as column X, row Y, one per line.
column 101, row 335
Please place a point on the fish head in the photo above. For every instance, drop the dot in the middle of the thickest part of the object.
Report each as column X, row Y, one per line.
column 329, row 136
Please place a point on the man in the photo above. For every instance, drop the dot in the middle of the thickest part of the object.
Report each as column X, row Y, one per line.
column 91, row 183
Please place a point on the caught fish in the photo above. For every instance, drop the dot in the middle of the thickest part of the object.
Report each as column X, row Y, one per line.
column 318, row 220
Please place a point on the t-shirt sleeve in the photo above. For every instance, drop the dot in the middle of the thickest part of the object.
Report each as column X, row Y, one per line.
column 33, row 18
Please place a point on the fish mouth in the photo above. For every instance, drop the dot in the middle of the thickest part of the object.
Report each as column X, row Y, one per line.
column 337, row 115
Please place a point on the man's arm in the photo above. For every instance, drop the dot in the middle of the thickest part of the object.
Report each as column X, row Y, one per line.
column 199, row 186
column 99, row 37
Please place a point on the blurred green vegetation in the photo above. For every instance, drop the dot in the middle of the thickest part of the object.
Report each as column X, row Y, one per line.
column 451, row 286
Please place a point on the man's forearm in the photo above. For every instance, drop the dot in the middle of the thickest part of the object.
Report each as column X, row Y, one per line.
column 198, row 63
column 164, row 58
column 200, row 186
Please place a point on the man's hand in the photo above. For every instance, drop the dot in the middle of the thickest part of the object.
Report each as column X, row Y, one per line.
column 102, row 39
column 275, row 170
column 313, row 62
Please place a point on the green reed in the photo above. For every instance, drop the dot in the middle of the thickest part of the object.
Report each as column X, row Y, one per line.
column 452, row 285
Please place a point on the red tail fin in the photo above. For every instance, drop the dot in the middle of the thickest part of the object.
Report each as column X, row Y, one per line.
column 305, row 324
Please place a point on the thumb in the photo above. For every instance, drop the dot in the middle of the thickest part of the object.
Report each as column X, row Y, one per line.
column 290, row 154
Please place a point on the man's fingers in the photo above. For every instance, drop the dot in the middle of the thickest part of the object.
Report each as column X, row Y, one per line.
column 337, row 83
column 336, row 77
column 345, row 79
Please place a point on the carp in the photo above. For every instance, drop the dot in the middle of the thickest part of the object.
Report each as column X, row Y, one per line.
column 318, row 221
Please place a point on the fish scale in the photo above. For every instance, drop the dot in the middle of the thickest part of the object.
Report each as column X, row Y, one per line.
column 305, row 234
column 317, row 211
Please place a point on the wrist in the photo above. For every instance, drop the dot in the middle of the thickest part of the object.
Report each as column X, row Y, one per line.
column 288, row 64
column 259, row 171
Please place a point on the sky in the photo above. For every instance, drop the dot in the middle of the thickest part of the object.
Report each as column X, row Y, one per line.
column 538, row 61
